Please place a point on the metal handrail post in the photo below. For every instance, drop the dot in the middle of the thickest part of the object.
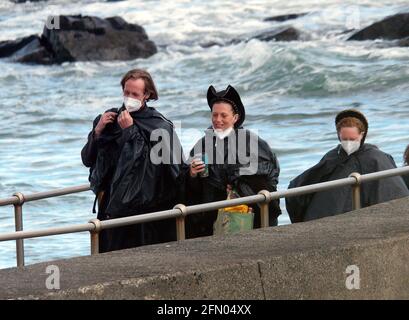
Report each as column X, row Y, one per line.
column 94, row 236
column 18, row 218
column 356, row 191
column 264, row 212
column 180, row 222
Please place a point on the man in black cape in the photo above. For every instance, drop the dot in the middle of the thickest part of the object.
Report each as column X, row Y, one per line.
column 348, row 157
column 126, row 172
column 237, row 158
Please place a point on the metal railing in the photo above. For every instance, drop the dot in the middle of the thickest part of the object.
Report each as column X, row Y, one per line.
column 180, row 211
column 19, row 199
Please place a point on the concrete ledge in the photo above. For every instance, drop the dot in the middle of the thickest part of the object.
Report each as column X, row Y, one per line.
column 302, row 261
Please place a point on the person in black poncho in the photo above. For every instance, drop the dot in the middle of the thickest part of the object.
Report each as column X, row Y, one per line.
column 351, row 155
column 123, row 170
column 237, row 159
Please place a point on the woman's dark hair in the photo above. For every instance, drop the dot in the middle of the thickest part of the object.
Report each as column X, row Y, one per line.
column 231, row 103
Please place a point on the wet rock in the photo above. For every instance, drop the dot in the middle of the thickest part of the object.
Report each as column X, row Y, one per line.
column 7, row 48
column 284, row 34
column 281, row 34
column 34, row 52
column 82, row 38
column 212, row 44
column 391, row 28
column 286, row 17
column 91, row 38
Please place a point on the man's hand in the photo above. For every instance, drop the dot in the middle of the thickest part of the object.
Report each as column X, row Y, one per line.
column 196, row 167
column 107, row 117
column 125, row 120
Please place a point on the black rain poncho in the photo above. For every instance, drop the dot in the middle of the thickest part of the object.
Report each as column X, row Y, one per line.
column 121, row 166
column 263, row 176
column 336, row 164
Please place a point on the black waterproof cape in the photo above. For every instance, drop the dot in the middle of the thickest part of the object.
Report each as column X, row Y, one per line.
column 137, row 183
column 213, row 187
column 121, row 166
column 406, row 180
column 336, row 164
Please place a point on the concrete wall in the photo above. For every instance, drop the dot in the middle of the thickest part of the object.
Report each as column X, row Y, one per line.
column 302, row 261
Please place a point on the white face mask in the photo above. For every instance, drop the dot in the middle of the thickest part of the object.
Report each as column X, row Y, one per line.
column 350, row 146
column 221, row 134
column 132, row 104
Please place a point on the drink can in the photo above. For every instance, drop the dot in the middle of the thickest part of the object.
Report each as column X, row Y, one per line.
column 205, row 160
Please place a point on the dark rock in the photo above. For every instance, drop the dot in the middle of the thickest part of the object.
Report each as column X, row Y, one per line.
column 90, row 38
column 391, row 28
column 284, row 34
column 286, row 17
column 7, row 48
column 34, row 52
column 211, row 44
column 281, row 34
column 78, row 38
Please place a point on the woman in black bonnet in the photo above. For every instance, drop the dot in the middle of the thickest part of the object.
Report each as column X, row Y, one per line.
column 237, row 158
